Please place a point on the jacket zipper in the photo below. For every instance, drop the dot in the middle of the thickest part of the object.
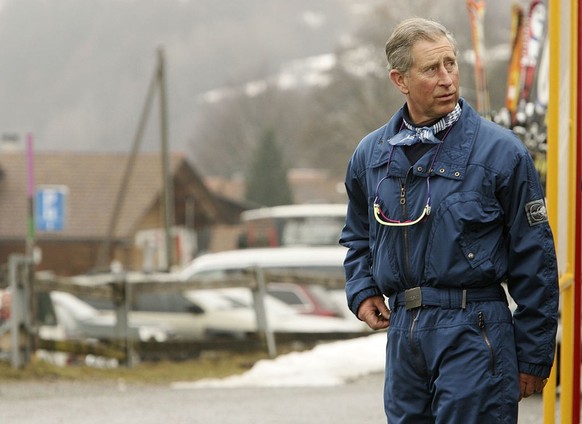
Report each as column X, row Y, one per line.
column 487, row 341
column 405, row 229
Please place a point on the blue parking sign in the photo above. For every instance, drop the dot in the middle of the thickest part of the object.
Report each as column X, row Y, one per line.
column 50, row 208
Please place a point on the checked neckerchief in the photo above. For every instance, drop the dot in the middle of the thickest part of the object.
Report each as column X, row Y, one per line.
column 412, row 135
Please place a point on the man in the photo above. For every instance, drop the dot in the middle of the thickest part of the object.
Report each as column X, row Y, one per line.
column 444, row 207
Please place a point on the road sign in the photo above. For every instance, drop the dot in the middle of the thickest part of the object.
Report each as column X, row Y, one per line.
column 50, row 208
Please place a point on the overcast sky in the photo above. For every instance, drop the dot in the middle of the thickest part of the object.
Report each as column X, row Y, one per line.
column 76, row 73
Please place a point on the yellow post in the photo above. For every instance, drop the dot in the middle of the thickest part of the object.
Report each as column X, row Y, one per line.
column 567, row 354
column 552, row 159
column 557, row 200
column 553, row 114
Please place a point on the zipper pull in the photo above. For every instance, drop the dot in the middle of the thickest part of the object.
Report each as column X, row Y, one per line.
column 402, row 195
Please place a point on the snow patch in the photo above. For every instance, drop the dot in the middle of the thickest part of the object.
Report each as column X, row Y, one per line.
column 329, row 364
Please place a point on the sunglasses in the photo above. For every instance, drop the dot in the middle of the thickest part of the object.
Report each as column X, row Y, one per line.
column 382, row 218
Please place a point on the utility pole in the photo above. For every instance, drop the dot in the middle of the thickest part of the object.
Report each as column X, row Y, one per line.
column 168, row 201
column 30, row 312
column 157, row 82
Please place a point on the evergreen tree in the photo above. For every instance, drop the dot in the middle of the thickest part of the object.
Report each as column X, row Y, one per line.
column 267, row 182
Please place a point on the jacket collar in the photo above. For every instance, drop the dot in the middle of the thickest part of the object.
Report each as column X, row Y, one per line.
column 453, row 156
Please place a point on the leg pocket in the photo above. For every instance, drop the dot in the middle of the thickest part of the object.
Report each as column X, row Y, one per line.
column 476, row 376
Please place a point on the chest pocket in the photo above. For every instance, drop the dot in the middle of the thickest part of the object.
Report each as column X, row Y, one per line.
column 467, row 242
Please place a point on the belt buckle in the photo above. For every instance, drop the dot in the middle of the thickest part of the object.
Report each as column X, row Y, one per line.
column 413, row 298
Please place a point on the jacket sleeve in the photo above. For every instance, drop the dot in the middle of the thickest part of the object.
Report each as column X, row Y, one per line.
column 355, row 236
column 533, row 275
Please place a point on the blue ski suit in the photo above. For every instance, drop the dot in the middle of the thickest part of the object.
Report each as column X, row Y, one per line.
column 454, row 356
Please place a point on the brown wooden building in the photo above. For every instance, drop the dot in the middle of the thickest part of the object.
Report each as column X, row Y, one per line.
column 91, row 184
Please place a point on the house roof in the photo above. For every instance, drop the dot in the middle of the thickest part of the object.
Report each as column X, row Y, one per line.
column 92, row 182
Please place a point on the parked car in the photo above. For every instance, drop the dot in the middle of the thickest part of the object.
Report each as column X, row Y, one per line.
column 62, row 316
column 205, row 314
column 82, row 321
column 308, row 299
column 305, row 295
column 186, row 316
column 281, row 317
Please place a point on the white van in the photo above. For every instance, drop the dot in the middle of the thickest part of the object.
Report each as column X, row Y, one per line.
column 293, row 225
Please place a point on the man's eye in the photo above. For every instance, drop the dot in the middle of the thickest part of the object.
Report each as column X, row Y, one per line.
column 450, row 66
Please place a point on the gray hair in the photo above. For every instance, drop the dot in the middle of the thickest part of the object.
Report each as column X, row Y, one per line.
column 406, row 34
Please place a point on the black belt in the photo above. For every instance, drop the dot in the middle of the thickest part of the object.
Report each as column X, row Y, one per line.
column 446, row 298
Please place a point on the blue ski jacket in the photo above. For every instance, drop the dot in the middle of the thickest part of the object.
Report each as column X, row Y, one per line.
column 487, row 225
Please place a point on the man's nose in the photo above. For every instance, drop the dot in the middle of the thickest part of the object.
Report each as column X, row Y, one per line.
column 445, row 76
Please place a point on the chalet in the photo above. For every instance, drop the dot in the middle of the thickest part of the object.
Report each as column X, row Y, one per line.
column 92, row 208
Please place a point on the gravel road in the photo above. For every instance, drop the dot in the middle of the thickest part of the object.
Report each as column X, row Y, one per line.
column 70, row 403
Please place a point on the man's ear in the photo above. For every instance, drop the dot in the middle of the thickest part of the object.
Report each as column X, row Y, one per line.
column 399, row 80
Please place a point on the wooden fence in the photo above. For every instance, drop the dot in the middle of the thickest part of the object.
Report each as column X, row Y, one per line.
column 118, row 288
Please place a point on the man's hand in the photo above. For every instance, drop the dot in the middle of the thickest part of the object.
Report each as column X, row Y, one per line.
column 374, row 312
column 530, row 384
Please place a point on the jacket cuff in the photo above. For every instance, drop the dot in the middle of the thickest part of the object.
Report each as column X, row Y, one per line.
column 361, row 296
column 537, row 370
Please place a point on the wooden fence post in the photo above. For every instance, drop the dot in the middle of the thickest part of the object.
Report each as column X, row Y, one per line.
column 263, row 326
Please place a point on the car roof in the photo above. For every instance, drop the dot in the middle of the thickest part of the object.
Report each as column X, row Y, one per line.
column 294, row 211
column 269, row 257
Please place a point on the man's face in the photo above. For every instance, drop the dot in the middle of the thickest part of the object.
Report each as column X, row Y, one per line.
column 431, row 85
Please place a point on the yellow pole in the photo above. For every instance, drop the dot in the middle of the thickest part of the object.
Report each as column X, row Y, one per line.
column 553, row 113
column 567, row 399
column 552, row 179
column 566, row 368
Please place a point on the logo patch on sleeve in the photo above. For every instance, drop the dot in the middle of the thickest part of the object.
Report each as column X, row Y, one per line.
column 536, row 212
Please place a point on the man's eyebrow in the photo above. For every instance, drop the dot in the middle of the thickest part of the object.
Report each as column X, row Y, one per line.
column 443, row 59
column 430, row 64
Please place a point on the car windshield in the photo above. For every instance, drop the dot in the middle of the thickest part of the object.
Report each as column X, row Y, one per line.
column 163, row 301
column 215, row 299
